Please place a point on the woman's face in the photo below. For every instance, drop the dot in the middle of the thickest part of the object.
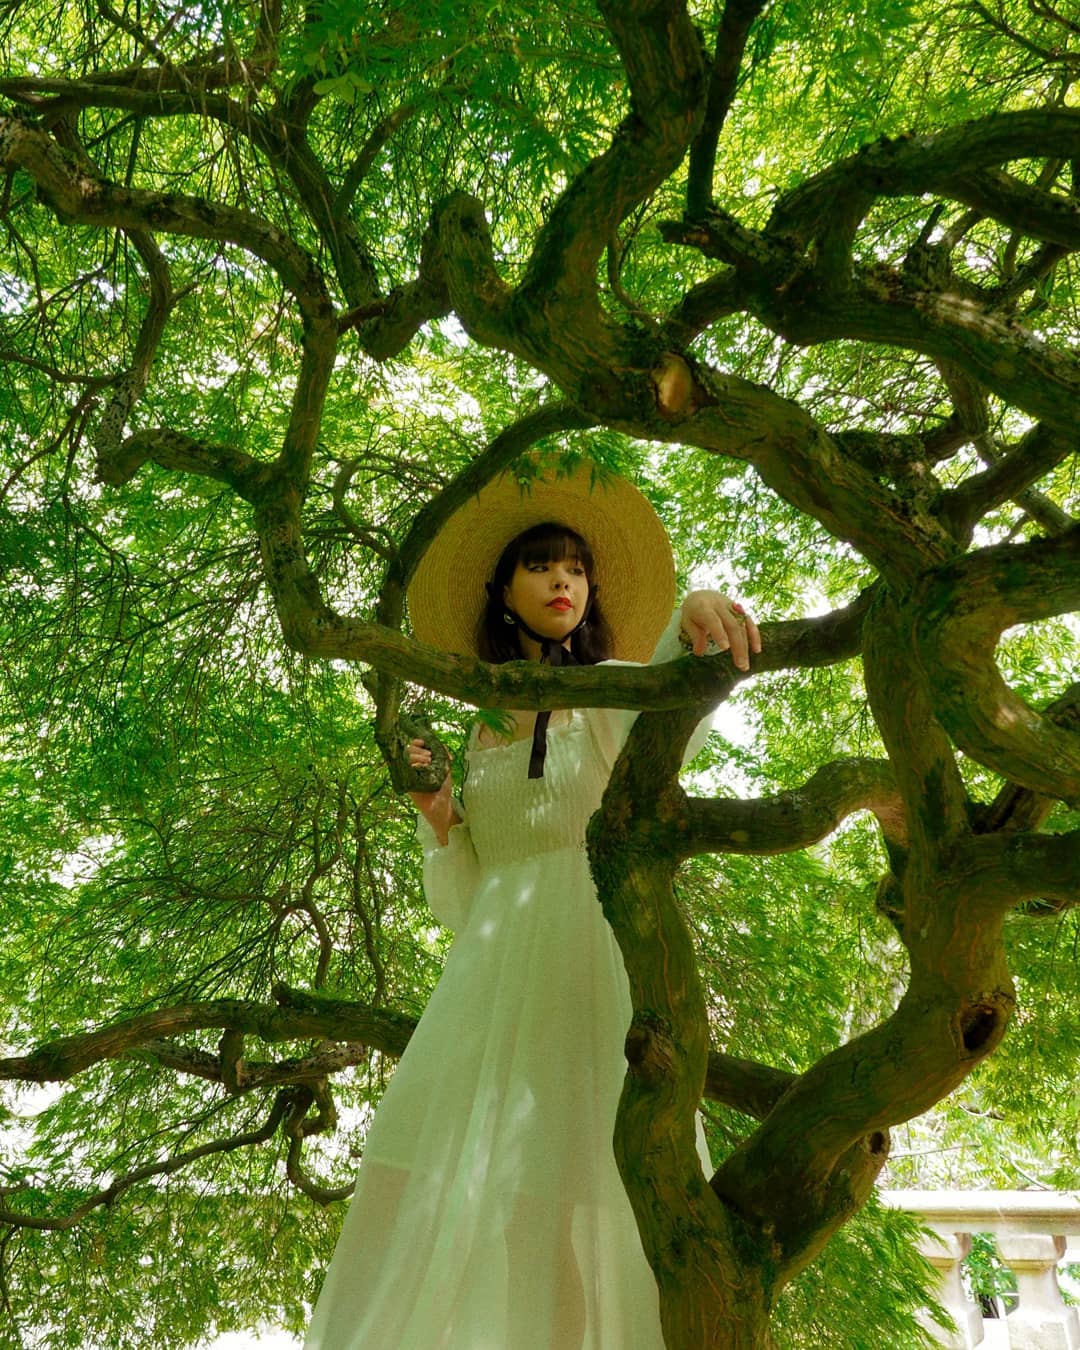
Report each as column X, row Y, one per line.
column 549, row 596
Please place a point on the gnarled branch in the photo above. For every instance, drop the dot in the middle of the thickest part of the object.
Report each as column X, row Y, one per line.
column 1039, row 451
column 962, row 610
column 799, row 460
column 299, row 1016
column 107, row 1195
column 913, row 165
column 904, row 706
column 79, row 195
column 1001, row 870
column 661, row 55
column 735, row 25
column 129, row 386
column 1017, row 808
column 744, row 1084
column 798, row 818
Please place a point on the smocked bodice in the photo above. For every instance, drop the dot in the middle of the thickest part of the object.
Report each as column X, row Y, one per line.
column 512, row 816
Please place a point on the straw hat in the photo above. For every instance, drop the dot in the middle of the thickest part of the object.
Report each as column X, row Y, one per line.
column 634, row 569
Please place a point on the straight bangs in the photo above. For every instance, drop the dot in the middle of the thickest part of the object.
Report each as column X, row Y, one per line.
column 551, row 542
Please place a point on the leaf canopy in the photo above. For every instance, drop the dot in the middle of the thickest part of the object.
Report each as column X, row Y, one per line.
column 238, row 260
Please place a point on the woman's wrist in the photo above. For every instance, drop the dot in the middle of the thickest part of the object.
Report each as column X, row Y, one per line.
column 440, row 814
column 442, row 834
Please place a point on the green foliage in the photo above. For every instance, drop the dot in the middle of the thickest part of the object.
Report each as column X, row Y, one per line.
column 987, row 1278
column 863, row 1290
column 190, row 811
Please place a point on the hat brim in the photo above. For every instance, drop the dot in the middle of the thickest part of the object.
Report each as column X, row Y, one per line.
column 634, row 570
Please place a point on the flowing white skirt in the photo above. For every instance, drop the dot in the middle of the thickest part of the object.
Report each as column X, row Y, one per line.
column 489, row 1213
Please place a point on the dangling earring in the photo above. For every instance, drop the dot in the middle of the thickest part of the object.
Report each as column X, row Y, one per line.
column 508, row 617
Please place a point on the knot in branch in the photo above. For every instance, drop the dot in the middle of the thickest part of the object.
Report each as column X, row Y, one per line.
column 650, row 1049
column 981, row 1023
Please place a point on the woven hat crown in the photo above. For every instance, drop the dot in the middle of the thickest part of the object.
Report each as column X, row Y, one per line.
column 632, row 555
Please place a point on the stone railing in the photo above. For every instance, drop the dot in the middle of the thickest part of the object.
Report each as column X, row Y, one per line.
column 1035, row 1232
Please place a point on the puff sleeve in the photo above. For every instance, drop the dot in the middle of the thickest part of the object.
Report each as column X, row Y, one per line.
column 611, row 726
column 451, row 871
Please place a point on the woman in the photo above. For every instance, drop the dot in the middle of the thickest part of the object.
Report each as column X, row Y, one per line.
column 489, row 1213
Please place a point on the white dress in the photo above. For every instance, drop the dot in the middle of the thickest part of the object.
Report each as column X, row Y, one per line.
column 489, row 1213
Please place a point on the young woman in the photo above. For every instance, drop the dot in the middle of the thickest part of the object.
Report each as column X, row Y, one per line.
column 489, row 1213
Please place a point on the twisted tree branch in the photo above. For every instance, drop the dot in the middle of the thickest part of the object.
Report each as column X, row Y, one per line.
column 1039, row 451
column 662, row 58
column 128, row 387
column 109, row 1194
column 962, row 610
column 798, row 818
column 1016, row 808
column 77, row 194
column 1001, row 870
column 735, row 25
column 942, row 163
column 300, row 1016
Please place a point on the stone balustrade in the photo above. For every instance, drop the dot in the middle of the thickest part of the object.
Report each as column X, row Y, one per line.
column 1035, row 1232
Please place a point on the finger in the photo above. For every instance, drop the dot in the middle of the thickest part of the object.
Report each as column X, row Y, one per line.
column 709, row 626
column 714, row 622
column 727, row 631
column 740, row 652
column 753, row 634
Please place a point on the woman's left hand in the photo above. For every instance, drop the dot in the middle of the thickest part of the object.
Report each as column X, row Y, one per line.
column 708, row 614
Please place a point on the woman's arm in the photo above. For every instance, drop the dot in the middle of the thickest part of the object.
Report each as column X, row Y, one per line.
column 451, row 870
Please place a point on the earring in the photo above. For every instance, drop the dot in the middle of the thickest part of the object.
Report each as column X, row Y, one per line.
column 508, row 617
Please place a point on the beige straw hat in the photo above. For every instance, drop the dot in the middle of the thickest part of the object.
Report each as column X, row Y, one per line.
column 634, row 569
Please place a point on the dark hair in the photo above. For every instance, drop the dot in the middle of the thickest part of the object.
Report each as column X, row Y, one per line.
column 497, row 640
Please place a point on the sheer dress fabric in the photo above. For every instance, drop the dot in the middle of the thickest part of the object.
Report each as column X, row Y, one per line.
column 489, row 1213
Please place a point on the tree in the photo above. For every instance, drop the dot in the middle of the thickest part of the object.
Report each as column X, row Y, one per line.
column 282, row 288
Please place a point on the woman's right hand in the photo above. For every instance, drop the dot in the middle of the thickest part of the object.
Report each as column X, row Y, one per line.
column 437, row 808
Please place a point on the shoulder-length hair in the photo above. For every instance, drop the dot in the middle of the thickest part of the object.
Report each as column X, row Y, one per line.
column 497, row 640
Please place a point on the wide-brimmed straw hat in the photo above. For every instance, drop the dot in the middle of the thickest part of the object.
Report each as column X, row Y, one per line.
column 634, row 571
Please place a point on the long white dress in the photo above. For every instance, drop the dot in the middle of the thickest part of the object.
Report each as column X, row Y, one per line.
column 489, row 1213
